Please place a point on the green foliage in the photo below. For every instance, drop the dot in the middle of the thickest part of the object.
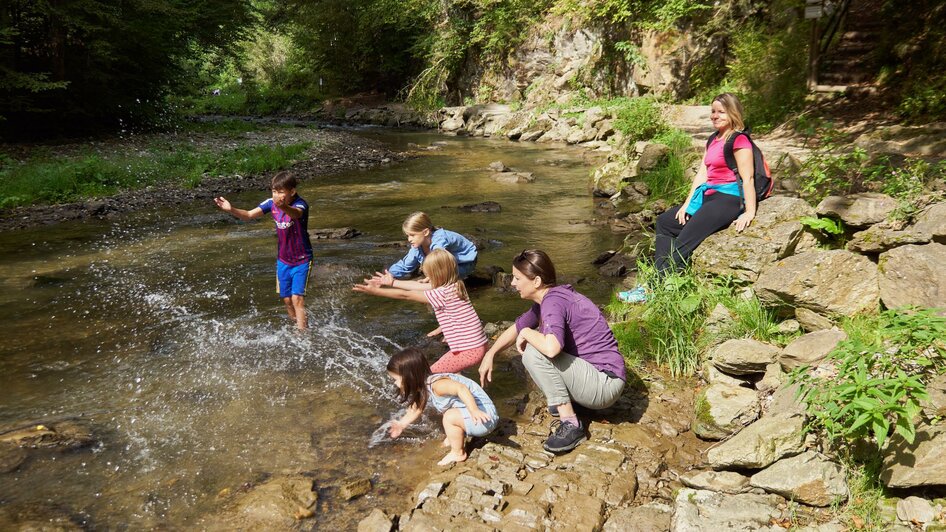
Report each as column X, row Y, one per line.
column 70, row 179
column 828, row 226
column 638, row 118
column 768, row 70
column 924, row 99
column 631, row 53
column 84, row 64
column 912, row 57
column 659, row 15
column 862, row 511
column 879, row 376
column 669, row 180
column 670, row 328
column 835, row 168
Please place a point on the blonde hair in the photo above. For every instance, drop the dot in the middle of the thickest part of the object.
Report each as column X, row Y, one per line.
column 417, row 222
column 734, row 109
column 441, row 269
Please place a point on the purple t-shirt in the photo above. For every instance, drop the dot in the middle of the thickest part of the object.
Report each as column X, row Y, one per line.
column 579, row 327
column 294, row 246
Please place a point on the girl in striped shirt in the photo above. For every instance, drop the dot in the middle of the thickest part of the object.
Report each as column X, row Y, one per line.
column 447, row 294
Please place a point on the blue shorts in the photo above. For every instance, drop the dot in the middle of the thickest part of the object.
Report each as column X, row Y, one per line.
column 292, row 280
column 479, row 429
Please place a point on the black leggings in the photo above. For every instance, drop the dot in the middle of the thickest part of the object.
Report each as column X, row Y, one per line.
column 675, row 243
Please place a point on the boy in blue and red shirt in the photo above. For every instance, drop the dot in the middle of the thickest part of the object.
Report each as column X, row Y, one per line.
column 294, row 255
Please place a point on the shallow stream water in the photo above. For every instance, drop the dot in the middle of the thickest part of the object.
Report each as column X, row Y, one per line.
column 161, row 331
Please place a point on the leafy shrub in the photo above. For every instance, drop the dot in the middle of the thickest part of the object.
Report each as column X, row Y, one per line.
column 830, row 231
column 925, row 100
column 835, row 168
column 878, row 377
column 669, row 328
column 639, row 118
column 769, row 69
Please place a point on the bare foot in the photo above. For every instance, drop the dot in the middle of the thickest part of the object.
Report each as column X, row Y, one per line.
column 452, row 457
column 446, row 442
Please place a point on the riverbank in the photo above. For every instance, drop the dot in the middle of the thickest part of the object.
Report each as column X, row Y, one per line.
column 320, row 152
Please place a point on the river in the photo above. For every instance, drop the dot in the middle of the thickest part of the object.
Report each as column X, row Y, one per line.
column 162, row 333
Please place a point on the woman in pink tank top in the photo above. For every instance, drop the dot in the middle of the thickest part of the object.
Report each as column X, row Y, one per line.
column 715, row 200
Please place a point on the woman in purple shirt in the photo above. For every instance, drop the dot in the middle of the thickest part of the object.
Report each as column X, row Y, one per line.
column 566, row 345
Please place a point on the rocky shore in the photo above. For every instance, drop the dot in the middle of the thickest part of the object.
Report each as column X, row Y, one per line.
column 733, row 454
column 332, row 151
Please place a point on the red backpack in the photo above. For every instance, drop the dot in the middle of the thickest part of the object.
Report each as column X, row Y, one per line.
column 762, row 176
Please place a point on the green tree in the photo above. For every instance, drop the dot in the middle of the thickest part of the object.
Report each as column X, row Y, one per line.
column 73, row 65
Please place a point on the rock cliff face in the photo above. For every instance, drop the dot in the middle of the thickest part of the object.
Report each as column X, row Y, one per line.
column 561, row 54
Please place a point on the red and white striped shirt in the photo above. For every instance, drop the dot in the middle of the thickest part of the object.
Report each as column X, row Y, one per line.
column 458, row 320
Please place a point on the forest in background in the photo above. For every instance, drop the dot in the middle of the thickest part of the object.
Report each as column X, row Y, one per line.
column 71, row 67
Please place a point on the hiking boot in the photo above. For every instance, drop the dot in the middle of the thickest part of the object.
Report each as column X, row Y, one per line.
column 579, row 410
column 565, row 437
column 637, row 295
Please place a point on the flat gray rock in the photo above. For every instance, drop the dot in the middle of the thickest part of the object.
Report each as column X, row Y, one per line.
column 810, row 349
column 710, row 511
column 760, row 444
column 918, row 464
column 858, row 210
column 914, row 275
column 743, row 356
column 722, row 410
column 807, row 478
column 834, row 282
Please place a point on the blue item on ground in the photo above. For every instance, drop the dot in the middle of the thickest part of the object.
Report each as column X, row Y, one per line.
column 637, row 295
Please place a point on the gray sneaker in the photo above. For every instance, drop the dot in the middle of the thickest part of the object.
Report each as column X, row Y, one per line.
column 565, row 438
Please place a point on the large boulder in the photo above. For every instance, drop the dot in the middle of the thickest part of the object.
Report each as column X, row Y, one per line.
column 709, row 511
column 760, row 444
column 810, row 349
column 651, row 155
column 722, row 410
column 932, row 221
column 918, row 464
column 453, row 119
column 883, row 236
column 914, row 275
column 775, row 234
column 632, row 198
column 607, row 179
column 834, row 282
column 806, row 478
column 930, row 226
column 858, row 210
column 276, row 504
column 743, row 356
column 811, row 320
column 724, row 481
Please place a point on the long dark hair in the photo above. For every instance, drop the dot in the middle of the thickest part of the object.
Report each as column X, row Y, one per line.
column 535, row 263
column 412, row 366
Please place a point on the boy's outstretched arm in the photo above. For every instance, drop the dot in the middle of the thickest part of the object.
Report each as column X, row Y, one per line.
column 239, row 213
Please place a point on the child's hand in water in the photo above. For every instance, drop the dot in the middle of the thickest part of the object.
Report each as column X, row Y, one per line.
column 381, row 279
column 397, row 427
column 479, row 417
column 365, row 288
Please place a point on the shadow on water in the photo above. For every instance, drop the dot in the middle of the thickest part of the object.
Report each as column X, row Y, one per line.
column 161, row 333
